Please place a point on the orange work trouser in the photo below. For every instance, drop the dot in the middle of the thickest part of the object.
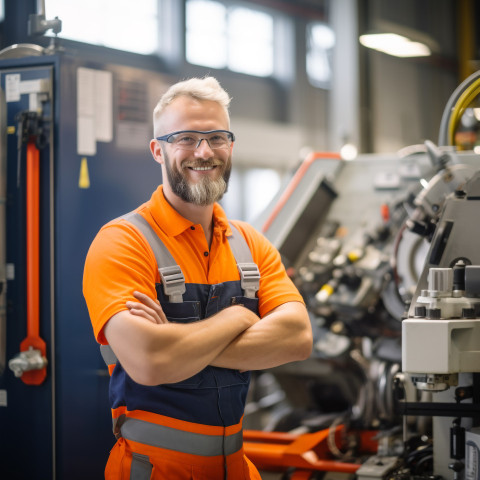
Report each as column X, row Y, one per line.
column 172, row 465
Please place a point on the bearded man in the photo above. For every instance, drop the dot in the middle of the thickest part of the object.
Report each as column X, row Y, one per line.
column 185, row 304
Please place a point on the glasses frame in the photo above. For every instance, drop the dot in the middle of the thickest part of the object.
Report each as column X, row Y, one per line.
column 168, row 137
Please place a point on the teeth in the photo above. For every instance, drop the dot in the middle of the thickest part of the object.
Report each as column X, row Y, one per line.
column 201, row 169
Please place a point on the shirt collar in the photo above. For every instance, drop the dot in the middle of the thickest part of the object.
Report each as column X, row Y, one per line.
column 173, row 224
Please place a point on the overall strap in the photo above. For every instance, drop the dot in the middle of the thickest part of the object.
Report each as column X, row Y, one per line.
column 249, row 273
column 173, row 280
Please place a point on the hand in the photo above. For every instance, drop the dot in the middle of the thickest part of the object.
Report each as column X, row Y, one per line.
column 147, row 308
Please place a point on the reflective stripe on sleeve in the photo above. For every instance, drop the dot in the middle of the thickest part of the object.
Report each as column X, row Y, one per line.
column 107, row 354
column 179, row 440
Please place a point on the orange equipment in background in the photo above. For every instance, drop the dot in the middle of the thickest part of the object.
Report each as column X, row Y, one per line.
column 307, row 453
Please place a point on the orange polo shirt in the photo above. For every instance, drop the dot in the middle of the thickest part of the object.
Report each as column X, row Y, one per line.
column 121, row 261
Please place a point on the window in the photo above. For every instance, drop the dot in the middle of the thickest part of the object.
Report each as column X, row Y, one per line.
column 261, row 186
column 250, row 191
column 109, row 23
column 320, row 43
column 233, row 37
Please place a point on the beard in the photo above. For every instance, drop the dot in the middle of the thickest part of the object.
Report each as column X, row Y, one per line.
column 204, row 192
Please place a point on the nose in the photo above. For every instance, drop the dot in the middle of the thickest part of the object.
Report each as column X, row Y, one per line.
column 202, row 146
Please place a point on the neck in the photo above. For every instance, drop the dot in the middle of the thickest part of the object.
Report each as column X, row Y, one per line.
column 197, row 214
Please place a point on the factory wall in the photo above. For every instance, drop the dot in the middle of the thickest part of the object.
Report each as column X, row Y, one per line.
column 400, row 102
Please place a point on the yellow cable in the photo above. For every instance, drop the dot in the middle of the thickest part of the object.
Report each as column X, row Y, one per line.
column 464, row 100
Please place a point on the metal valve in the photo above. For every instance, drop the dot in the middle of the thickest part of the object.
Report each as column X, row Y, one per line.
column 31, row 359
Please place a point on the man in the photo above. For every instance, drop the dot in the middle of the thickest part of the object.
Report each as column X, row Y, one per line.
column 180, row 371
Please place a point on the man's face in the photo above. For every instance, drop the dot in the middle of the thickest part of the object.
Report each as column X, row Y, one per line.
column 199, row 176
column 206, row 189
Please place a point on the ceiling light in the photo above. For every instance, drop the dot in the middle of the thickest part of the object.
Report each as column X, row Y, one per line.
column 349, row 151
column 394, row 44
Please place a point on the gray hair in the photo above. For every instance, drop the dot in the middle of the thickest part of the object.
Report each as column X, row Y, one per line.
column 207, row 88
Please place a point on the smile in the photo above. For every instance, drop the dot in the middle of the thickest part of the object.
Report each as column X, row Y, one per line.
column 202, row 169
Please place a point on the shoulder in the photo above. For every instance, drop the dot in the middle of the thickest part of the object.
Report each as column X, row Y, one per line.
column 118, row 237
column 259, row 245
column 246, row 230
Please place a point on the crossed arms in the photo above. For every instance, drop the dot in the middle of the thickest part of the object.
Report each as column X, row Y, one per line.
column 154, row 351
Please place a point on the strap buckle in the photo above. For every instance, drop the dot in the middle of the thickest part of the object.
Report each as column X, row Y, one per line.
column 249, row 278
column 173, row 283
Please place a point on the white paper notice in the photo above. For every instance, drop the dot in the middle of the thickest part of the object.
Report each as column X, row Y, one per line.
column 94, row 109
column 12, row 87
column 103, row 106
column 86, row 144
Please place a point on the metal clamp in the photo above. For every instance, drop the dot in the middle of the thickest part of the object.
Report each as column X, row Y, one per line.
column 249, row 278
column 173, row 282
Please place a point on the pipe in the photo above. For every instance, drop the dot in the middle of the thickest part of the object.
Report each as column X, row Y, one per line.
column 33, row 239
column 299, row 174
column 41, row 7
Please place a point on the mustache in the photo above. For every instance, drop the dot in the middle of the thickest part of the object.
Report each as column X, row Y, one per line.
column 202, row 163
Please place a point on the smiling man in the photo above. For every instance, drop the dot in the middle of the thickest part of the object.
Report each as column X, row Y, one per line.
column 186, row 303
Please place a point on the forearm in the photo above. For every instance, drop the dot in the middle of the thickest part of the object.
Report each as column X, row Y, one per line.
column 282, row 336
column 153, row 354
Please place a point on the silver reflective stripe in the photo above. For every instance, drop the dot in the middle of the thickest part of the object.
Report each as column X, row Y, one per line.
column 107, row 354
column 171, row 274
column 249, row 273
column 179, row 440
column 141, row 468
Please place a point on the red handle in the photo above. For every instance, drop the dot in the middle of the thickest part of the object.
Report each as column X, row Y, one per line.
column 33, row 377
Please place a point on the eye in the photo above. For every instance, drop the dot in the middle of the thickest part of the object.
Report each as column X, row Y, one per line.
column 184, row 139
column 218, row 139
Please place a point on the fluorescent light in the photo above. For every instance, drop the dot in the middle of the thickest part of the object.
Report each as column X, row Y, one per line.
column 396, row 45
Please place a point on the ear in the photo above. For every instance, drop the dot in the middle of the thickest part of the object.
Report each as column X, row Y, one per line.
column 156, row 150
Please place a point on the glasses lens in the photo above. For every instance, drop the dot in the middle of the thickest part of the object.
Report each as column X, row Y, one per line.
column 185, row 140
column 219, row 140
column 192, row 140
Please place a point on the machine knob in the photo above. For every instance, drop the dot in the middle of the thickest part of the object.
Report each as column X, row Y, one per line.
column 420, row 311
column 459, row 276
column 434, row 313
column 440, row 280
column 468, row 313
column 457, row 467
column 472, row 280
column 415, row 226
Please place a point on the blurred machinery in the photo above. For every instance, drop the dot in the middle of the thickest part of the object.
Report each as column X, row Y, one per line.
column 384, row 251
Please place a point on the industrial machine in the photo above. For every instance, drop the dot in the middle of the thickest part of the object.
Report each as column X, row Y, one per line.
column 384, row 252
